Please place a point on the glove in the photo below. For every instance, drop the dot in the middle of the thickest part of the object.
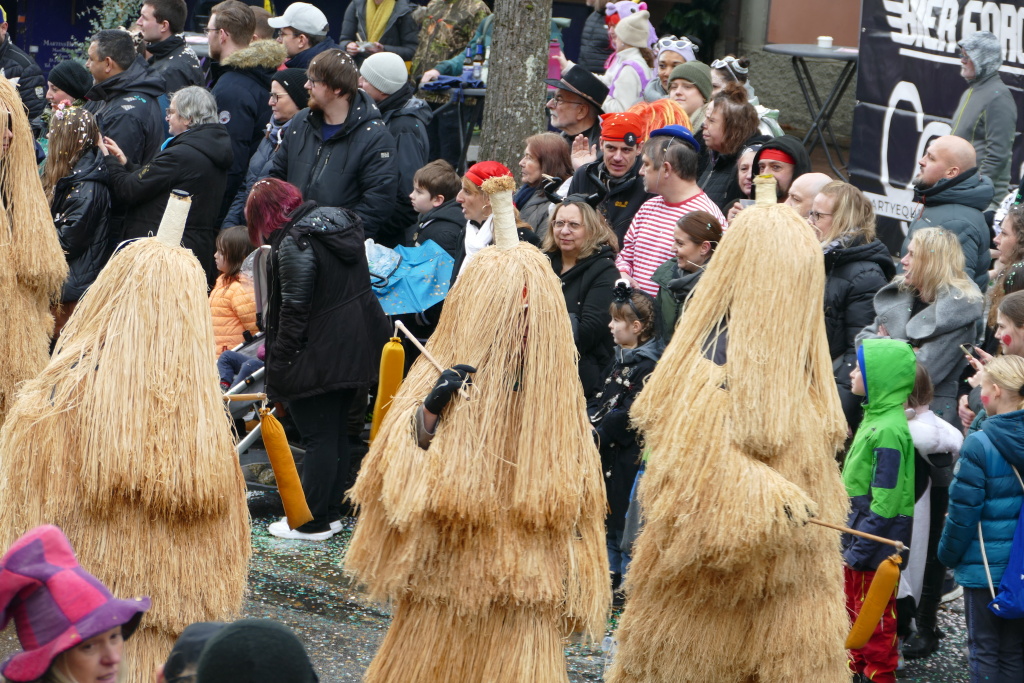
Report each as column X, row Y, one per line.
column 450, row 381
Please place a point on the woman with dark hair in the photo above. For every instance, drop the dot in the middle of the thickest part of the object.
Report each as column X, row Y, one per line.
column 730, row 125
column 857, row 265
column 546, row 154
column 325, row 330
column 1007, row 271
column 696, row 237
column 582, row 249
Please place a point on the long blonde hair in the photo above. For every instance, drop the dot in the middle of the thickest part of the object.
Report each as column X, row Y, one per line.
column 1007, row 372
column 852, row 215
column 938, row 266
column 71, row 136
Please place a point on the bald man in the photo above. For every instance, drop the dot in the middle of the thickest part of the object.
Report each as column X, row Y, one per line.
column 954, row 195
column 803, row 190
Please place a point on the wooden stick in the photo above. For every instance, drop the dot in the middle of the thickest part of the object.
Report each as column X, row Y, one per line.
column 399, row 325
column 871, row 537
column 245, row 397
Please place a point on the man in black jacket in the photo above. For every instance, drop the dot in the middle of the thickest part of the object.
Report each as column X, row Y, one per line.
column 243, row 86
column 19, row 68
column 338, row 152
column 124, row 97
column 385, row 79
column 169, row 58
column 615, row 177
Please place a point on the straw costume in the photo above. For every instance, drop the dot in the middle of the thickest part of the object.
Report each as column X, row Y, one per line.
column 489, row 542
column 727, row 583
column 123, row 442
column 32, row 265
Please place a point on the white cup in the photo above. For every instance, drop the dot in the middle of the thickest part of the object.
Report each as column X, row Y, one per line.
column 824, row 41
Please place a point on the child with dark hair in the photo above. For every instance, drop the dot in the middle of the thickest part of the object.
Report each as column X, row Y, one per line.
column 232, row 303
column 696, row 236
column 637, row 350
column 434, row 188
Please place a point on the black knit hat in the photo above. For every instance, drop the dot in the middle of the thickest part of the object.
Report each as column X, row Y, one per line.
column 189, row 646
column 255, row 651
column 294, row 83
column 71, row 77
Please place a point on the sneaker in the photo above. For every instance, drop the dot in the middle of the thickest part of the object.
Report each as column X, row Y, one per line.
column 296, row 535
column 921, row 643
column 281, row 527
column 901, row 662
column 951, row 590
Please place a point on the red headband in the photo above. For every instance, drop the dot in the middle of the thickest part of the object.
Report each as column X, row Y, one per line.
column 776, row 155
column 478, row 173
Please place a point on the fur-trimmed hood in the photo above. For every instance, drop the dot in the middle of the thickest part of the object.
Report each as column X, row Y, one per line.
column 261, row 54
column 932, row 434
column 983, row 49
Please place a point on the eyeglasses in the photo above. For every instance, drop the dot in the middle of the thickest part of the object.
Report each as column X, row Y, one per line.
column 813, row 216
column 209, row 30
column 573, row 225
column 171, row 112
column 315, row 81
column 558, row 99
column 274, row 97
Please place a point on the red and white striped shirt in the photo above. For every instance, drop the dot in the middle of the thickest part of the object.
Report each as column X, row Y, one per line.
column 650, row 240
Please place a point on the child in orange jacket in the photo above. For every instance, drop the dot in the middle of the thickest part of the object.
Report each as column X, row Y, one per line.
column 232, row 303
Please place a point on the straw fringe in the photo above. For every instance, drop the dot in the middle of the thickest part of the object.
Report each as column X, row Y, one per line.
column 506, row 507
column 123, row 442
column 724, row 569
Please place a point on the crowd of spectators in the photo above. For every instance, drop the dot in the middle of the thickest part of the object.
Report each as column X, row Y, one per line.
column 317, row 145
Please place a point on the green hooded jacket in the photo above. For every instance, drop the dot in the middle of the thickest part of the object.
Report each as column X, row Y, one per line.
column 879, row 468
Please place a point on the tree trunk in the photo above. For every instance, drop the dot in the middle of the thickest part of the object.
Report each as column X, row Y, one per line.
column 514, row 108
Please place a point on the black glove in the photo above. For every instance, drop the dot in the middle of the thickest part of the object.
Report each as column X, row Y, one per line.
column 450, row 381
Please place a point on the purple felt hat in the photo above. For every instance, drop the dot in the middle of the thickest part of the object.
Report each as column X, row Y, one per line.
column 55, row 603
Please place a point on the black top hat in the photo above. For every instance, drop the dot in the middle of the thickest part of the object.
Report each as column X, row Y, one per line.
column 579, row 81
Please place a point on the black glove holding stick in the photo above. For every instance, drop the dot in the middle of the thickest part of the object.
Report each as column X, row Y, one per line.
column 450, row 381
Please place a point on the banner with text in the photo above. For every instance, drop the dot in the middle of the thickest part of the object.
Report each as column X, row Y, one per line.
column 908, row 87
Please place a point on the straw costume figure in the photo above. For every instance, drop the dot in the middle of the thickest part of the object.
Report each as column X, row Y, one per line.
column 123, row 442
column 728, row 583
column 32, row 265
column 487, row 534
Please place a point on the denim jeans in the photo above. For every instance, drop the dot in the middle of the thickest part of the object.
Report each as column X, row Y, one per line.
column 995, row 645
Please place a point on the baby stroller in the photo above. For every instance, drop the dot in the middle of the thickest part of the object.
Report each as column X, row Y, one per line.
column 252, row 455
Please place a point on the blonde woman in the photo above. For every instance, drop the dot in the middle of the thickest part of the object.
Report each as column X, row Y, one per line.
column 936, row 307
column 857, row 265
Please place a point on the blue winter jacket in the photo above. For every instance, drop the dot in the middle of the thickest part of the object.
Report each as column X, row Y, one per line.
column 986, row 489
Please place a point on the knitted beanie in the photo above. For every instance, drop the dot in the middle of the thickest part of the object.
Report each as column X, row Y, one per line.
column 635, row 30
column 983, row 49
column 697, row 73
column 294, row 83
column 255, row 651
column 385, row 71
column 71, row 77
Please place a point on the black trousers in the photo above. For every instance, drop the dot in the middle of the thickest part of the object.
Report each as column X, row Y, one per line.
column 934, row 571
column 322, row 421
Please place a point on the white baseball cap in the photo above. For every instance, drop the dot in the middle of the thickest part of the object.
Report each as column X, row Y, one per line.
column 303, row 17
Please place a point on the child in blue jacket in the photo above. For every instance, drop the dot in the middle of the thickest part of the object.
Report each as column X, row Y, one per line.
column 986, row 493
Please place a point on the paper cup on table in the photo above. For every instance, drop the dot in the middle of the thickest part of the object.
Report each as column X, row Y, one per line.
column 824, row 41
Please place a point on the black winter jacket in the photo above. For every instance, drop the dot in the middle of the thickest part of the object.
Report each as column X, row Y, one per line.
column 407, row 118
column 401, row 35
column 196, row 161
column 259, row 167
column 302, row 60
column 127, row 110
column 853, row 275
column 719, row 179
column 587, row 288
column 595, row 48
column 325, row 328
column 355, row 169
column 620, row 197
column 17, row 66
column 242, row 98
column 792, row 146
column 618, row 443
column 81, row 214
column 175, row 64
column 444, row 225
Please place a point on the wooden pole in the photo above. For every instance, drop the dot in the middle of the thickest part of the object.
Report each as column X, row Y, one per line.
column 399, row 325
column 871, row 537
